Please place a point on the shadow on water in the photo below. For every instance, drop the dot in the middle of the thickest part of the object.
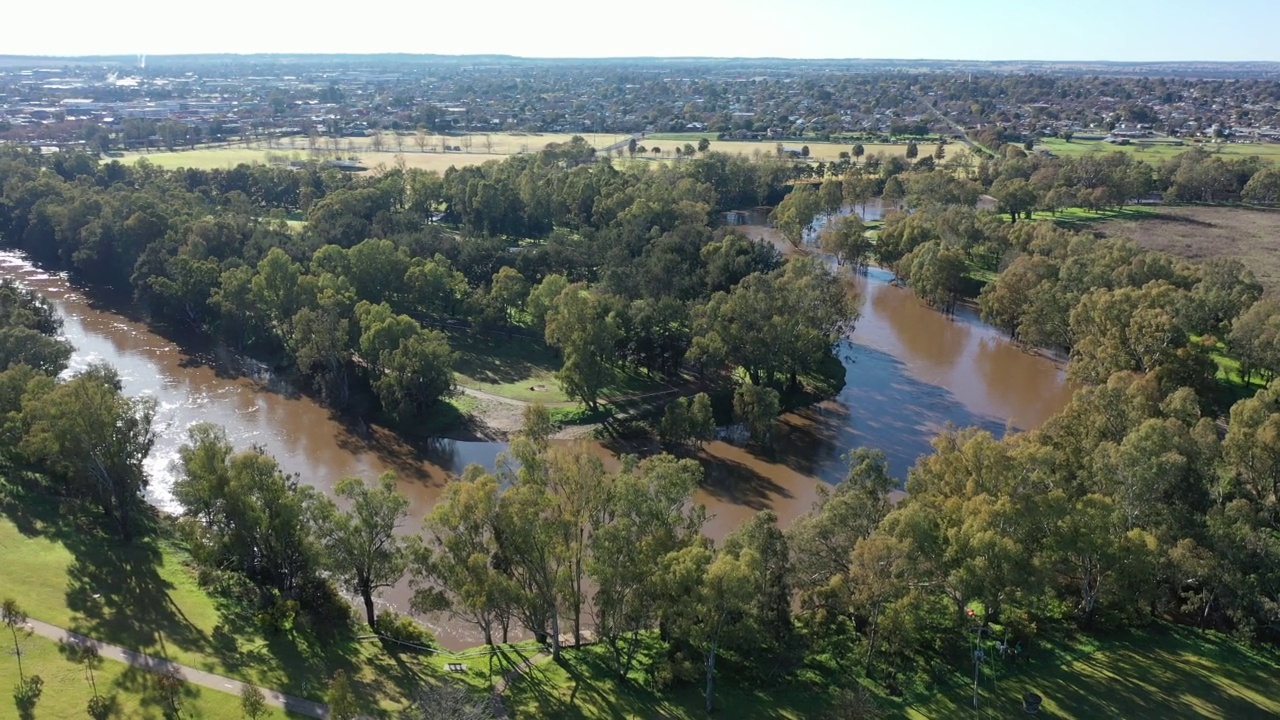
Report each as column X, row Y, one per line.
column 882, row 406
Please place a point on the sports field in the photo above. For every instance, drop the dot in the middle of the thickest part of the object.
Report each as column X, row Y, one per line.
column 1157, row 149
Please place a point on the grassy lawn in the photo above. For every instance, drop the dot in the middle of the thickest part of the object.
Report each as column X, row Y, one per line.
column 583, row 686
column 1162, row 672
column 517, row 367
column 1155, row 150
column 818, row 150
column 524, row 369
column 143, row 596
column 67, row 690
column 1080, row 216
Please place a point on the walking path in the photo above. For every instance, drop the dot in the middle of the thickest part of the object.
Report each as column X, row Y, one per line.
column 500, row 709
column 137, row 659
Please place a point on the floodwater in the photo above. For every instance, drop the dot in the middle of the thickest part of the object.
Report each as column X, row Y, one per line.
column 910, row 371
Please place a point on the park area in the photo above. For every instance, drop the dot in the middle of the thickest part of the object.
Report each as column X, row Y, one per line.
column 146, row 596
column 477, row 149
column 1157, row 150
column 818, row 150
column 1160, row 671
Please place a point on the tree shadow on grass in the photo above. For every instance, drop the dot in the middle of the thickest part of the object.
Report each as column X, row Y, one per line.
column 153, row 699
column 499, row 360
column 115, row 589
column 584, row 685
column 118, row 595
column 1162, row 671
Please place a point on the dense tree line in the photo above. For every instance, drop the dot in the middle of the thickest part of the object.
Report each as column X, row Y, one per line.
column 609, row 267
column 1127, row 507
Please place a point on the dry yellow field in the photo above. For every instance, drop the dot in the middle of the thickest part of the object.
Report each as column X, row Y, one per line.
column 223, row 158
column 496, row 146
column 480, row 143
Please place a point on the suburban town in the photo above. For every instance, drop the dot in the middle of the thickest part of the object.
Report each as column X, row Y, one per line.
column 124, row 104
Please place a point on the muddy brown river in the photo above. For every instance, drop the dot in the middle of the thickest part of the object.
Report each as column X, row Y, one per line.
column 909, row 372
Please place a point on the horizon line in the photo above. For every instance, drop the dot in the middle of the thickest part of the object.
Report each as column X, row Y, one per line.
column 776, row 58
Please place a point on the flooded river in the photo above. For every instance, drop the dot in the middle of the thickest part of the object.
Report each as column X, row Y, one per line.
column 909, row 372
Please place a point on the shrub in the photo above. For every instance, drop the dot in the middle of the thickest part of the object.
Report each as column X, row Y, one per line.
column 403, row 629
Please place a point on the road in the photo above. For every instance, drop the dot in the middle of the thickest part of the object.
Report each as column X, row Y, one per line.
column 137, row 659
column 963, row 134
column 620, row 144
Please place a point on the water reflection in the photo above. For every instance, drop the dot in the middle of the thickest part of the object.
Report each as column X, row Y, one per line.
column 909, row 371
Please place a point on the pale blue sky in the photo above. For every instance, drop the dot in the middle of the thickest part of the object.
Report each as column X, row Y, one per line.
column 952, row 29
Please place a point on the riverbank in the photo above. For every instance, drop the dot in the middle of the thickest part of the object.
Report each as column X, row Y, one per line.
column 908, row 373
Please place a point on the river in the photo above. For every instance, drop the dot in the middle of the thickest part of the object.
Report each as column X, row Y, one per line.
column 909, row 372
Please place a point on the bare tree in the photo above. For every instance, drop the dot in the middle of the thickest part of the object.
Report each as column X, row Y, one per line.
column 420, row 139
column 488, row 143
column 447, row 701
column 399, row 138
column 376, row 141
column 466, row 141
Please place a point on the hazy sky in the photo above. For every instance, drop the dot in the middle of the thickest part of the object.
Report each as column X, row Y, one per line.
column 952, row 29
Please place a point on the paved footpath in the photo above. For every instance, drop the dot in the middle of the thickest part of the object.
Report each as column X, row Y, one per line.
column 276, row 698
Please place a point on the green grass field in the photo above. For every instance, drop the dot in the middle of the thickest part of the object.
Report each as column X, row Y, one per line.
column 524, row 369
column 583, row 686
column 1157, row 150
column 1069, row 217
column 1163, row 671
column 143, row 596
column 825, row 151
column 67, row 690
